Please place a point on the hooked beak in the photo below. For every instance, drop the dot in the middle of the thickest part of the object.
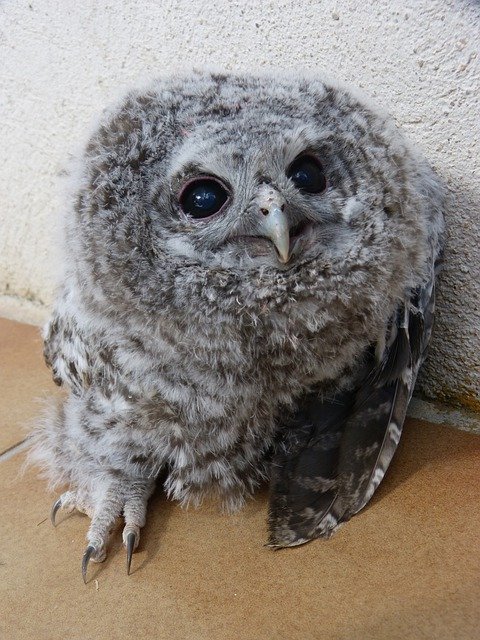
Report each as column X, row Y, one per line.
column 275, row 227
column 273, row 223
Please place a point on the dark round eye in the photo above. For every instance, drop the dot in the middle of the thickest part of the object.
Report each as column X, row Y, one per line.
column 203, row 197
column 307, row 174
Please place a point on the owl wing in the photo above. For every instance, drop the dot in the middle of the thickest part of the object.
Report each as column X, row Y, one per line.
column 335, row 452
column 68, row 353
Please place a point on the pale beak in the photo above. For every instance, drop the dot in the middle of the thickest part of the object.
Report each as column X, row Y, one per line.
column 274, row 225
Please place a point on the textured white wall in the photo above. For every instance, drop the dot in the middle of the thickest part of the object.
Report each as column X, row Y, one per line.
column 62, row 60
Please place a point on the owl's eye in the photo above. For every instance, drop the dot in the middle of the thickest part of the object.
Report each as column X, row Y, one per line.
column 203, row 197
column 306, row 172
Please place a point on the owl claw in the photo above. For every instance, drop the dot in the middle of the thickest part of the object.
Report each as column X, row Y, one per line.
column 131, row 539
column 56, row 506
column 89, row 551
column 103, row 514
column 68, row 502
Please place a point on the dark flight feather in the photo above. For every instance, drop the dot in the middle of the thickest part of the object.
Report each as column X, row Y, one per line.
column 334, row 453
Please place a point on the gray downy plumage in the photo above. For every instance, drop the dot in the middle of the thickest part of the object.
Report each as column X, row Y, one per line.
column 191, row 346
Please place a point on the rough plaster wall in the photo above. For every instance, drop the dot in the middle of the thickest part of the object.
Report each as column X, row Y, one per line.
column 63, row 60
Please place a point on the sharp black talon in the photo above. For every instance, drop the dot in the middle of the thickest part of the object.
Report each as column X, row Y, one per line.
column 55, row 508
column 89, row 551
column 130, row 546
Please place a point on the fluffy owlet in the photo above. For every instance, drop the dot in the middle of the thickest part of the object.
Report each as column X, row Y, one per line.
column 248, row 293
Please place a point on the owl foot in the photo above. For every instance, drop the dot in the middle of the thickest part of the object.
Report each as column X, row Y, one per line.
column 116, row 500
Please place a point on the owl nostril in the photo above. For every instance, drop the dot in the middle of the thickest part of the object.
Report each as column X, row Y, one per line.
column 267, row 211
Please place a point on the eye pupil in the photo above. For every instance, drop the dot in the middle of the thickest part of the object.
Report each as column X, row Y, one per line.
column 306, row 172
column 203, row 197
column 302, row 177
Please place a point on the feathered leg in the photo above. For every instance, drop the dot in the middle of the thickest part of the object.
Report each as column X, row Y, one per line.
column 105, row 482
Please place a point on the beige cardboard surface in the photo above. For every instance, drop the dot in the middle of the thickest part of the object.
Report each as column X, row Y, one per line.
column 23, row 377
column 406, row 568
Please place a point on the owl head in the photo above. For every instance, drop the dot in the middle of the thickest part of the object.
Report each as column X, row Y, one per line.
column 233, row 191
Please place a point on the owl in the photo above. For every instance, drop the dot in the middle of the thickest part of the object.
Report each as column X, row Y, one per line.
column 247, row 296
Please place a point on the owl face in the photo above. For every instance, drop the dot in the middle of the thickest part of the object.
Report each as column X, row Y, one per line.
column 243, row 184
column 256, row 201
